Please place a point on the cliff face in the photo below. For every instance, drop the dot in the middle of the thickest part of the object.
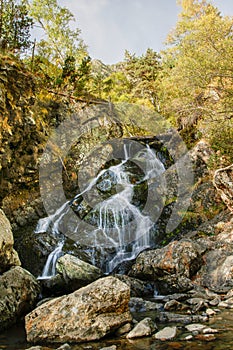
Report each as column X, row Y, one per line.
column 26, row 117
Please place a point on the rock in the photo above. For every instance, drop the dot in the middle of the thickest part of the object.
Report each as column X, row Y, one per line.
column 209, row 331
column 210, row 312
column 75, row 272
column 180, row 318
column 228, row 303
column 8, row 256
column 89, row 313
column 166, row 333
column 138, row 288
column 170, row 267
column 144, row 328
column 223, row 181
column 141, row 305
column 35, row 348
column 175, row 305
column 217, row 274
column 195, row 327
column 113, row 347
column 124, row 329
column 64, row 347
column 189, row 337
column 18, row 293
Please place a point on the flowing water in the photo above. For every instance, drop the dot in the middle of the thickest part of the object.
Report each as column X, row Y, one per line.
column 116, row 222
column 14, row 338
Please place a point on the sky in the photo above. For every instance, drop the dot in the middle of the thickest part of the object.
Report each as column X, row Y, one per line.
column 109, row 27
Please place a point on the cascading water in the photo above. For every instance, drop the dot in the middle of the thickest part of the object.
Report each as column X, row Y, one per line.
column 116, row 222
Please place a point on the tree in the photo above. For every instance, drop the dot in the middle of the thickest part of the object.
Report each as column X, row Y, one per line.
column 198, row 65
column 142, row 73
column 15, row 25
column 197, row 79
column 60, row 40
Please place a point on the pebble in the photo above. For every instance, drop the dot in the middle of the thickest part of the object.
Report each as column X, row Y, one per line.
column 189, row 337
column 113, row 347
column 195, row 327
column 210, row 312
column 209, row 331
column 166, row 333
column 143, row 329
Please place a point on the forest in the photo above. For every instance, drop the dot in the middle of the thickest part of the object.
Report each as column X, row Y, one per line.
column 190, row 83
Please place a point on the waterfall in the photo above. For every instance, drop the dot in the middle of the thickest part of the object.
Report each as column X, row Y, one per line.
column 117, row 222
column 50, row 266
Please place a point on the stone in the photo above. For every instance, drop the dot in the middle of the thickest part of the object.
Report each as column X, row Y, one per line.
column 170, row 267
column 138, row 288
column 195, row 327
column 189, row 337
column 223, row 181
column 75, row 272
column 166, row 333
column 19, row 291
column 217, row 274
column 209, row 331
column 210, row 312
column 64, row 347
column 89, row 313
column 180, row 318
column 124, row 329
column 144, row 328
column 141, row 305
column 228, row 303
column 113, row 347
column 174, row 305
column 8, row 256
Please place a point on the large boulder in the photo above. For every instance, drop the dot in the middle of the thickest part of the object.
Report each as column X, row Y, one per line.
column 75, row 272
column 8, row 256
column 18, row 293
column 223, row 181
column 87, row 314
column 171, row 267
column 217, row 273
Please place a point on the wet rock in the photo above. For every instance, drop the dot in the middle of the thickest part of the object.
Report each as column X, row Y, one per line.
column 8, row 256
column 180, row 318
column 89, row 313
column 138, row 288
column 141, row 305
column 166, row 333
column 223, row 181
column 18, row 294
column 144, row 328
column 175, row 305
column 195, row 327
column 75, row 272
column 170, row 267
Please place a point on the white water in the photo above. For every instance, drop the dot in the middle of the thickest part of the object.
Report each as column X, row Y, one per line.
column 50, row 266
column 120, row 223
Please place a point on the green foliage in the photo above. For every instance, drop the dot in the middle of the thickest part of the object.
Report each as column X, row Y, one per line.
column 196, row 83
column 60, row 41
column 142, row 73
column 15, row 25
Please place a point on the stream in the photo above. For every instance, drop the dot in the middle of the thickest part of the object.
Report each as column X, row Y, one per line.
column 14, row 338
